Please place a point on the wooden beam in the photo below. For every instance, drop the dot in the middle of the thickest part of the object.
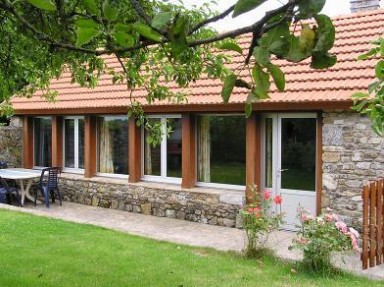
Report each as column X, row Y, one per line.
column 134, row 151
column 188, row 165
column 57, row 141
column 319, row 162
column 90, row 142
column 27, row 142
column 198, row 108
column 253, row 154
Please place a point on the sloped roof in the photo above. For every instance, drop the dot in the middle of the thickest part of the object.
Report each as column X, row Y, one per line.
column 306, row 88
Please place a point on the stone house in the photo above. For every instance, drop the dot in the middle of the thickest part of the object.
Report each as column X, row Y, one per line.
column 305, row 144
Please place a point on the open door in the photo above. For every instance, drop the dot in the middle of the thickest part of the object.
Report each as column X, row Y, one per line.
column 289, row 164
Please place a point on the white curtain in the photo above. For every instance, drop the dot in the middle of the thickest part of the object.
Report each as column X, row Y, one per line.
column 106, row 148
column 204, row 150
column 148, row 157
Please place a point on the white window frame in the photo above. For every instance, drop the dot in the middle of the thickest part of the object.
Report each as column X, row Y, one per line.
column 213, row 184
column 163, row 153
column 34, row 132
column 104, row 174
column 75, row 169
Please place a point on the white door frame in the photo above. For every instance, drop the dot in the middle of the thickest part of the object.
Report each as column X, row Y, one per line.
column 275, row 188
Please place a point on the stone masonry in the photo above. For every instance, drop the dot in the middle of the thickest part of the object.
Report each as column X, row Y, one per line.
column 216, row 207
column 352, row 155
column 11, row 142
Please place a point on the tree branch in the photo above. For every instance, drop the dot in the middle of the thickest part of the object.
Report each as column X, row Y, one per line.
column 213, row 19
column 255, row 28
column 140, row 11
column 7, row 6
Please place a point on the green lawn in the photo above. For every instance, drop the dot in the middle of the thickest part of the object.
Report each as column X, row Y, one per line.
column 37, row 251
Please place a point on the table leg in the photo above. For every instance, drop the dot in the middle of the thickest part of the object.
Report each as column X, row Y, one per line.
column 24, row 190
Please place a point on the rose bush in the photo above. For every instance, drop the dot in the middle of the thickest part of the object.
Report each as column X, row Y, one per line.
column 259, row 219
column 319, row 236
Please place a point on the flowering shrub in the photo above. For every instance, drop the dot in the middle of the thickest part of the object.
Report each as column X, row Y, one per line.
column 259, row 219
column 319, row 236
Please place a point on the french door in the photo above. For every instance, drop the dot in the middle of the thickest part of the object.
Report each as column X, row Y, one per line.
column 289, row 162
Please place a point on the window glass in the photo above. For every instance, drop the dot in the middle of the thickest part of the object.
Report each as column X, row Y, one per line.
column 81, row 143
column 74, row 142
column 174, row 148
column 113, row 144
column 42, row 142
column 221, row 149
column 69, row 142
column 164, row 158
column 152, row 153
column 268, row 151
column 298, row 149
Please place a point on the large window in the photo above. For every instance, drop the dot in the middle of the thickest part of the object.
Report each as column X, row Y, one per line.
column 221, row 149
column 74, row 142
column 164, row 159
column 42, row 143
column 113, row 144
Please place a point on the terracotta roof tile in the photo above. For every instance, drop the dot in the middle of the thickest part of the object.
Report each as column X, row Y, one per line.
column 354, row 33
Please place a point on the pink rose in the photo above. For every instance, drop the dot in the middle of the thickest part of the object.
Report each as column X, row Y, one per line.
column 267, row 194
column 305, row 217
column 342, row 226
column 278, row 199
column 328, row 217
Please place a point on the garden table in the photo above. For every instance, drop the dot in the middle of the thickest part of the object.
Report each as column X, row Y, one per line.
column 21, row 175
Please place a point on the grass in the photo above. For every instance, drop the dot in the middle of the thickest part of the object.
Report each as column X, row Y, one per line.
column 228, row 173
column 38, row 251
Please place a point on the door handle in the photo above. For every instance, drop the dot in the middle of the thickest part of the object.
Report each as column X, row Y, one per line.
column 283, row 169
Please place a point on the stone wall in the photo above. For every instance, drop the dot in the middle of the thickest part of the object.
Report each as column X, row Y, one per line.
column 11, row 142
column 217, row 207
column 352, row 154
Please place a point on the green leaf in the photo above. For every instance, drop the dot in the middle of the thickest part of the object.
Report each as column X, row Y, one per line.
column 261, row 79
column 109, row 12
column 161, row 20
column 277, row 40
column 373, row 86
column 359, row 96
column 231, row 47
column 229, row 84
column 377, row 128
column 359, row 106
column 278, row 76
column 181, row 26
column 325, row 34
column 295, row 53
column 122, row 27
column 248, row 109
column 147, row 32
column 123, row 39
column 379, row 70
column 322, row 60
column 243, row 6
column 86, row 23
column 309, row 8
column 262, row 55
column 86, row 31
column 91, row 7
column 369, row 54
column 275, row 34
column 43, row 4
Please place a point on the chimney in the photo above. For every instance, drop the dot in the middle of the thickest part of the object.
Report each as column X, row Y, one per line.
column 364, row 5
